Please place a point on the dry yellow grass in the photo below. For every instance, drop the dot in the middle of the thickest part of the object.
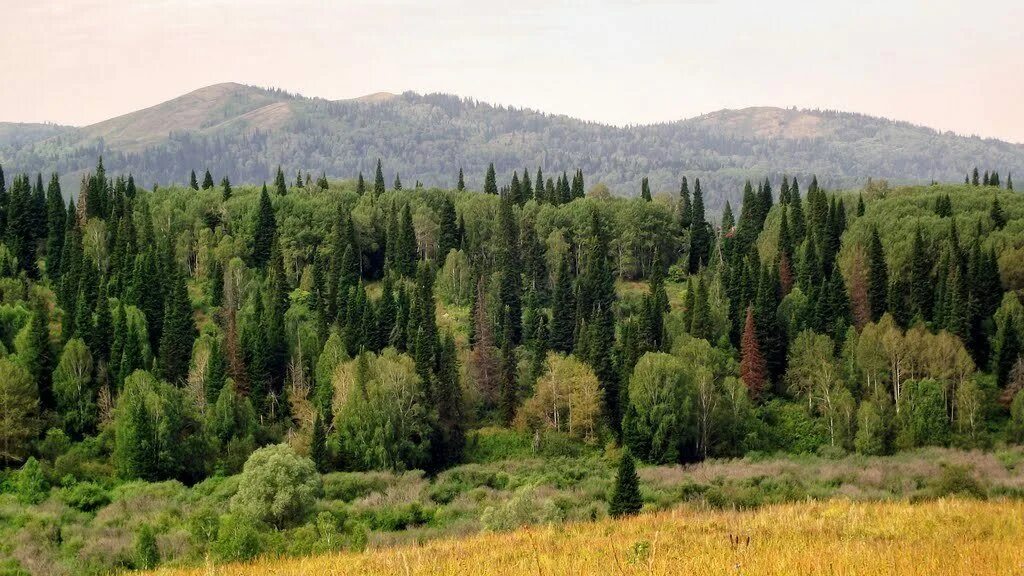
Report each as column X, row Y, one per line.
column 938, row 538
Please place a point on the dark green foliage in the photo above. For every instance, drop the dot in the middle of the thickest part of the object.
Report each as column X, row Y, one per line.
column 192, row 182
column 378, row 180
column 280, row 185
column 207, row 181
column 264, row 230
column 179, row 331
column 700, row 235
column 878, row 277
column 626, row 499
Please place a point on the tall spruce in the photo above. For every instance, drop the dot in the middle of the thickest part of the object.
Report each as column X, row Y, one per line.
column 878, row 277
column 264, row 230
column 626, row 499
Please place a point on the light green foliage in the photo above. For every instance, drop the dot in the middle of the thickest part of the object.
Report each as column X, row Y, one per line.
column 30, row 484
column 277, row 486
column 382, row 419
column 19, row 408
column 922, row 415
column 660, row 424
column 73, row 388
column 455, row 283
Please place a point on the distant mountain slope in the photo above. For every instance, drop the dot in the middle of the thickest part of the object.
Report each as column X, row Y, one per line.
column 246, row 132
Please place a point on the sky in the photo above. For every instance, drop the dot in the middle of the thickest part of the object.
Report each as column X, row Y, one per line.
column 950, row 65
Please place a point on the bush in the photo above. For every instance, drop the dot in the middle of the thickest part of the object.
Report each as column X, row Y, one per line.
column 85, row 496
column 347, row 486
column 523, row 509
column 957, row 481
column 147, row 555
column 29, row 484
column 237, row 540
column 277, row 486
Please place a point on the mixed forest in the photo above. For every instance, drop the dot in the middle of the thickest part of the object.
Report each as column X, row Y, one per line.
column 222, row 371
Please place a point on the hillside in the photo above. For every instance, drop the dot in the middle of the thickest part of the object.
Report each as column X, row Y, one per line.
column 804, row 538
column 245, row 132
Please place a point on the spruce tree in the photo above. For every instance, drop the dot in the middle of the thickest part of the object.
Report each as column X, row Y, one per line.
column 39, row 358
column 626, row 499
column 1009, row 181
column 264, row 230
column 685, row 210
column 461, row 186
column 700, row 237
column 318, row 444
column 192, row 182
column 207, row 181
column 1007, row 348
column 490, row 180
column 753, row 371
column 56, row 221
column 225, row 192
column 398, row 181
column 563, row 310
column 447, row 399
column 179, row 330
column 509, row 265
column 378, row 180
column 279, row 182
column 996, row 213
column 360, row 184
column 878, row 277
column 645, row 189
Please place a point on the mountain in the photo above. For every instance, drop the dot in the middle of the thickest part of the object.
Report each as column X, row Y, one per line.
column 245, row 132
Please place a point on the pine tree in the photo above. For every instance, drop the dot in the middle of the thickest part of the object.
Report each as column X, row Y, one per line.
column 538, row 192
column 360, row 184
column 398, row 181
column 1009, row 181
column 448, row 400
column 179, row 330
column 753, row 371
column 461, row 186
column 626, row 499
column 1007, row 348
column 378, row 180
column 264, row 230
column 509, row 265
column 207, row 181
column 490, row 181
column 878, row 277
column 192, row 182
column 974, row 176
column 448, row 230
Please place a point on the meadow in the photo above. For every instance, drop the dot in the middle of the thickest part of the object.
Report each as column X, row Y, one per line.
column 936, row 538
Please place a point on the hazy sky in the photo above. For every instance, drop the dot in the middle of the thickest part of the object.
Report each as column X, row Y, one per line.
column 950, row 65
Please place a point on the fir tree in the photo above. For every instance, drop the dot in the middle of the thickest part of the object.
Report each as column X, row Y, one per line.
column 700, row 237
column 626, row 499
column 192, row 182
column 39, row 358
column 264, row 230
column 461, row 186
column 509, row 265
column 207, row 181
column 753, row 371
column 996, row 213
column 563, row 310
column 279, row 182
column 447, row 399
column 378, row 179
column 179, row 331
column 56, row 221
column 685, row 210
column 490, row 181
column 225, row 186
column 398, row 181
column 360, row 185
column 645, row 189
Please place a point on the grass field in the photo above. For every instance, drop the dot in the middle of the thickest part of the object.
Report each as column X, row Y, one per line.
column 836, row 538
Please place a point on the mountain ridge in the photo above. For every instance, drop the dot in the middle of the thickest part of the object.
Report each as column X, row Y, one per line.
column 244, row 132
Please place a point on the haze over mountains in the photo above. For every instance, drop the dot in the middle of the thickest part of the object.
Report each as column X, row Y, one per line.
column 245, row 132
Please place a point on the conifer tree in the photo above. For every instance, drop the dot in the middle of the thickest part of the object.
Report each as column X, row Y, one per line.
column 39, row 358
column 700, row 237
column 378, row 180
column 179, row 330
column 996, row 213
column 538, row 192
column 974, row 176
column 360, row 184
column 753, row 371
column 563, row 310
column 264, row 230
column 398, row 181
column 225, row 189
column 645, row 189
column 509, row 265
column 685, row 210
column 490, row 180
column 207, row 181
column 626, row 499
column 461, row 186
column 878, row 277
column 1007, row 349
column 1009, row 181
column 56, row 221
column 192, row 182
column 279, row 182
column 448, row 230
column 448, row 400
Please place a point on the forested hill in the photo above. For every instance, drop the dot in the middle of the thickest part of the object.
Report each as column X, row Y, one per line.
column 245, row 132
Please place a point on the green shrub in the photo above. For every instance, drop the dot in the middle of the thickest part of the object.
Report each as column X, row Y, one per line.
column 347, row 486
column 493, row 444
column 30, row 484
column 237, row 540
column 85, row 496
column 147, row 555
column 957, row 481
column 277, row 486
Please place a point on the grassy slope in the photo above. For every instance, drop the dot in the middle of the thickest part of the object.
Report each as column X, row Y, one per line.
column 935, row 538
